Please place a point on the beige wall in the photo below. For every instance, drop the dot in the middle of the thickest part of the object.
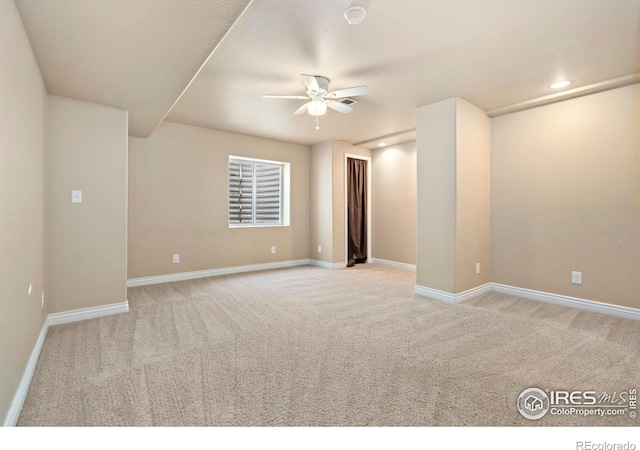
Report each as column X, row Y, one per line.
column 394, row 204
column 340, row 149
column 23, row 122
column 178, row 202
column 321, row 206
column 87, row 241
column 436, row 163
column 473, row 193
column 566, row 196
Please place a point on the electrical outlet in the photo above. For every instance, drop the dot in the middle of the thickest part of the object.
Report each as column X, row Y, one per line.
column 42, row 305
column 576, row 277
column 273, row 249
column 319, row 248
column 477, row 267
column 176, row 258
column 76, row 196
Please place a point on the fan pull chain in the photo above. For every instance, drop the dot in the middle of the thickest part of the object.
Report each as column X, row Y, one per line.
column 317, row 124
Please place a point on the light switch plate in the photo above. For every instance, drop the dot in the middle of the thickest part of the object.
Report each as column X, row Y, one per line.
column 76, row 196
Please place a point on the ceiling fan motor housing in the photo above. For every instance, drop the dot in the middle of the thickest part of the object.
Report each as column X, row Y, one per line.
column 323, row 84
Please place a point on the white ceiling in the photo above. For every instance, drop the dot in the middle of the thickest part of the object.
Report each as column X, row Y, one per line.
column 141, row 54
column 137, row 55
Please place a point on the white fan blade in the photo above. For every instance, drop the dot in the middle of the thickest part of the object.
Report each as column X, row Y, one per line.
column 300, row 110
column 349, row 92
column 339, row 106
column 295, row 97
column 310, row 82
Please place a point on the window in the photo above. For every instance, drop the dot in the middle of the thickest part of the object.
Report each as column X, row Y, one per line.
column 258, row 192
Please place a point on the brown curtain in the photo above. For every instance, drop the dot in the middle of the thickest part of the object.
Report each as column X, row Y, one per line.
column 357, row 210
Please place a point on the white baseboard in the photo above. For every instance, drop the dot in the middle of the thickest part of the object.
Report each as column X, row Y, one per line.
column 76, row 315
column 547, row 297
column 435, row 294
column 473, row 292
column 397, row 265
column 13, row 413
column 572, row 302
column 449, row 297
column 182, row 276
column 327, row 265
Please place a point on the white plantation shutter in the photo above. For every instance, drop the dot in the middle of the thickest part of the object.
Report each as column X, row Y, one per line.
column 240, row 192
column 255, row 192
column 268, row 193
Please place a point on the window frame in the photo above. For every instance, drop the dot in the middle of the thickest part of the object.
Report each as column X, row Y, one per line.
column 285, row 174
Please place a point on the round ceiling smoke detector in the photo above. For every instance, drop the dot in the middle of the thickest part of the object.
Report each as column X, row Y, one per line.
column 355, row 15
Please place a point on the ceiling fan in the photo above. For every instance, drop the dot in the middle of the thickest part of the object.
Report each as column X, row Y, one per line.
column 320, row 97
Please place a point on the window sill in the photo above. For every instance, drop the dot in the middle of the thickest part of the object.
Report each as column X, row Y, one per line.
column 259, row 226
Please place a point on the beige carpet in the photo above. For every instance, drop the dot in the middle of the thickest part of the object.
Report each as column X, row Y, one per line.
column 310, row 346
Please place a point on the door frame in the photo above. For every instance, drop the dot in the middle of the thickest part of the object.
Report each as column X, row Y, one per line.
column 346, row 213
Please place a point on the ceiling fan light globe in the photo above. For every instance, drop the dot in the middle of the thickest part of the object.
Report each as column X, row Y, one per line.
column 317, row 107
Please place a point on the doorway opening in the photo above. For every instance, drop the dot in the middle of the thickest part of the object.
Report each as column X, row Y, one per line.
column 357, row 209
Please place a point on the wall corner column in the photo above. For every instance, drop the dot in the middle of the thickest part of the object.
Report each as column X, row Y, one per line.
column 453, row 164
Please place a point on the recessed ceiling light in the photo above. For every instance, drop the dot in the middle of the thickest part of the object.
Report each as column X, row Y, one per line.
column 560, row 84
column 355, row 15
column 381, row 144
